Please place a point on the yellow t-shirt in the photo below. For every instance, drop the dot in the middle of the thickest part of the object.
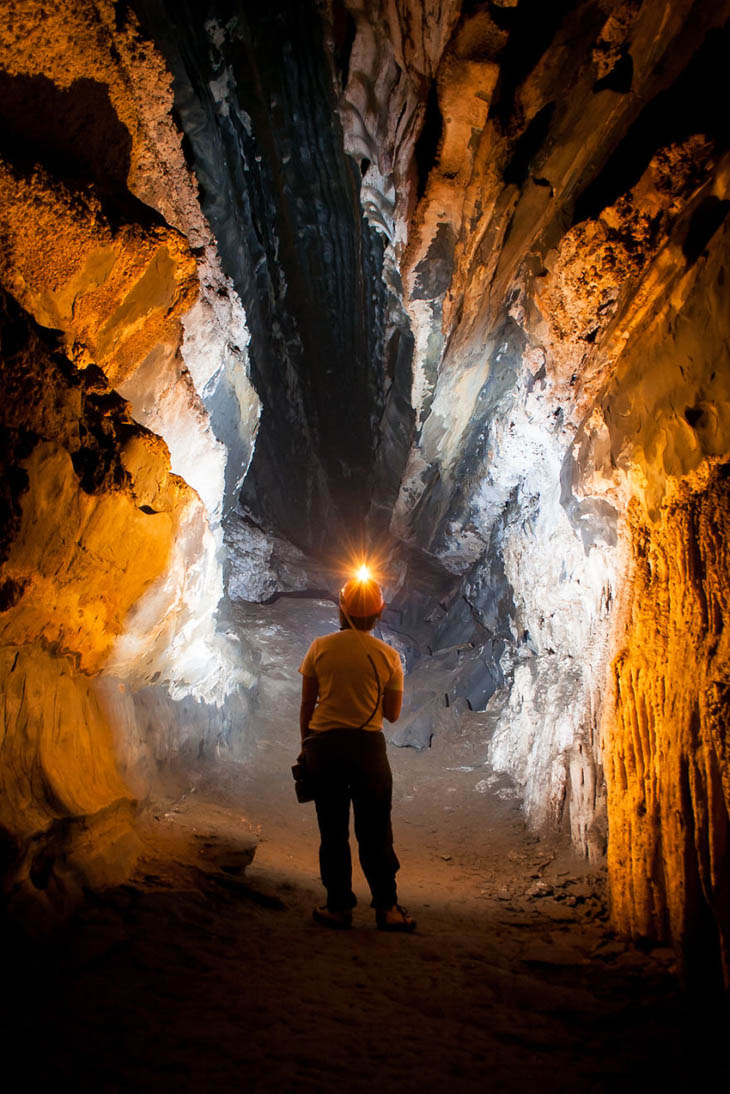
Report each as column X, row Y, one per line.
column 348, row 690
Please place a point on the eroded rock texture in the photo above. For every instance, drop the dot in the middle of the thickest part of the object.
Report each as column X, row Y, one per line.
column 667, row 743
column 551, row 180
column 329, row 353
column 91, row 512
column 111, row 567
column 666, row 726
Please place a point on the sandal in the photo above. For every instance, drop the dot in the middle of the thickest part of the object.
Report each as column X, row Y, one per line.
column 340, row 921
column 394, row 919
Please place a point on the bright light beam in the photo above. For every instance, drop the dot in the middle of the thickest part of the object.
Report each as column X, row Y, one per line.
column 363, row 574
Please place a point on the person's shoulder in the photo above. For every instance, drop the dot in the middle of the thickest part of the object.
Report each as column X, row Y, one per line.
column 393, row 658
column 324, row 641
column 388, row 650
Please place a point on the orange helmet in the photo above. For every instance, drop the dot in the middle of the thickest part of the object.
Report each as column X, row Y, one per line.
column 362, row 597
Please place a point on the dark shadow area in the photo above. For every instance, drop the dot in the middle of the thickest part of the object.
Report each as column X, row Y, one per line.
column 73, row 132
column 528, row 146
column 344, row 30
column 75, row 135
column 175, row 984
column 429, row 139
column 695, row 103
column 706, row 219
column 532, row 27
column 620, row 77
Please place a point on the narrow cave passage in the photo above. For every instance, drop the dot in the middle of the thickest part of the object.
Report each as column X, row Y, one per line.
column 444, row 284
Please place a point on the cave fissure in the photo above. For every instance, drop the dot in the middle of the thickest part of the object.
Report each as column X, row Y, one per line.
column 315, row 328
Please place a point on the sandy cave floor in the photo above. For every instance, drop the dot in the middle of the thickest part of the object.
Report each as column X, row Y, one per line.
column 206, row 972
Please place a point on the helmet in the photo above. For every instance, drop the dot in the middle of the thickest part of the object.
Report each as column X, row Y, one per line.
column 362, row 597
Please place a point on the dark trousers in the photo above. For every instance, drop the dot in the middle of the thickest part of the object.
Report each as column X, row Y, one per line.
column 351, row 765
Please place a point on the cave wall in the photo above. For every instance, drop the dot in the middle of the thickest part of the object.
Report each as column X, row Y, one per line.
column 666, row 734
column 115, row 478
column 551, row 180
column 91, row 512
column 666, row 725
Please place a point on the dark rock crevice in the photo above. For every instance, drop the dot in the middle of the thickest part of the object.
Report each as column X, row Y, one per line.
column 76, row 136
column 694, row 103
column 255, row 98
column 532, row 28
column 427, row 145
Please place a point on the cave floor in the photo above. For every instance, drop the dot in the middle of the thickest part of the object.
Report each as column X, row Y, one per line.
column 206, row 972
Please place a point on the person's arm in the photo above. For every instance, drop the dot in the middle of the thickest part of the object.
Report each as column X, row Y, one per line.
column 392, row 702
column 310, row 690
column 393, row 694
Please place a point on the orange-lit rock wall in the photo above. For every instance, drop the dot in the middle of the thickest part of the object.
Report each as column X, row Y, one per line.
column 86, row 533
column 666, row 741
column 101, row 220
column 114, row 480
column 665, row 728
column 114, row 294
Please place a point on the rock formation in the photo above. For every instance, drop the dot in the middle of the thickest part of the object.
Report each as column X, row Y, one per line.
column 556, row 212
column 472, row 258
column 112, row 568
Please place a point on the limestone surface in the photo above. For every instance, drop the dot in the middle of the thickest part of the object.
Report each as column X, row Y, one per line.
column 553, row 191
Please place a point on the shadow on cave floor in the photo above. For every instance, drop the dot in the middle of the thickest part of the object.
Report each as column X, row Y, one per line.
column 206, row 972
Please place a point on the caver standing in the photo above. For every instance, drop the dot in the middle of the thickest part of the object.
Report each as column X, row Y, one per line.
column 350, row 680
